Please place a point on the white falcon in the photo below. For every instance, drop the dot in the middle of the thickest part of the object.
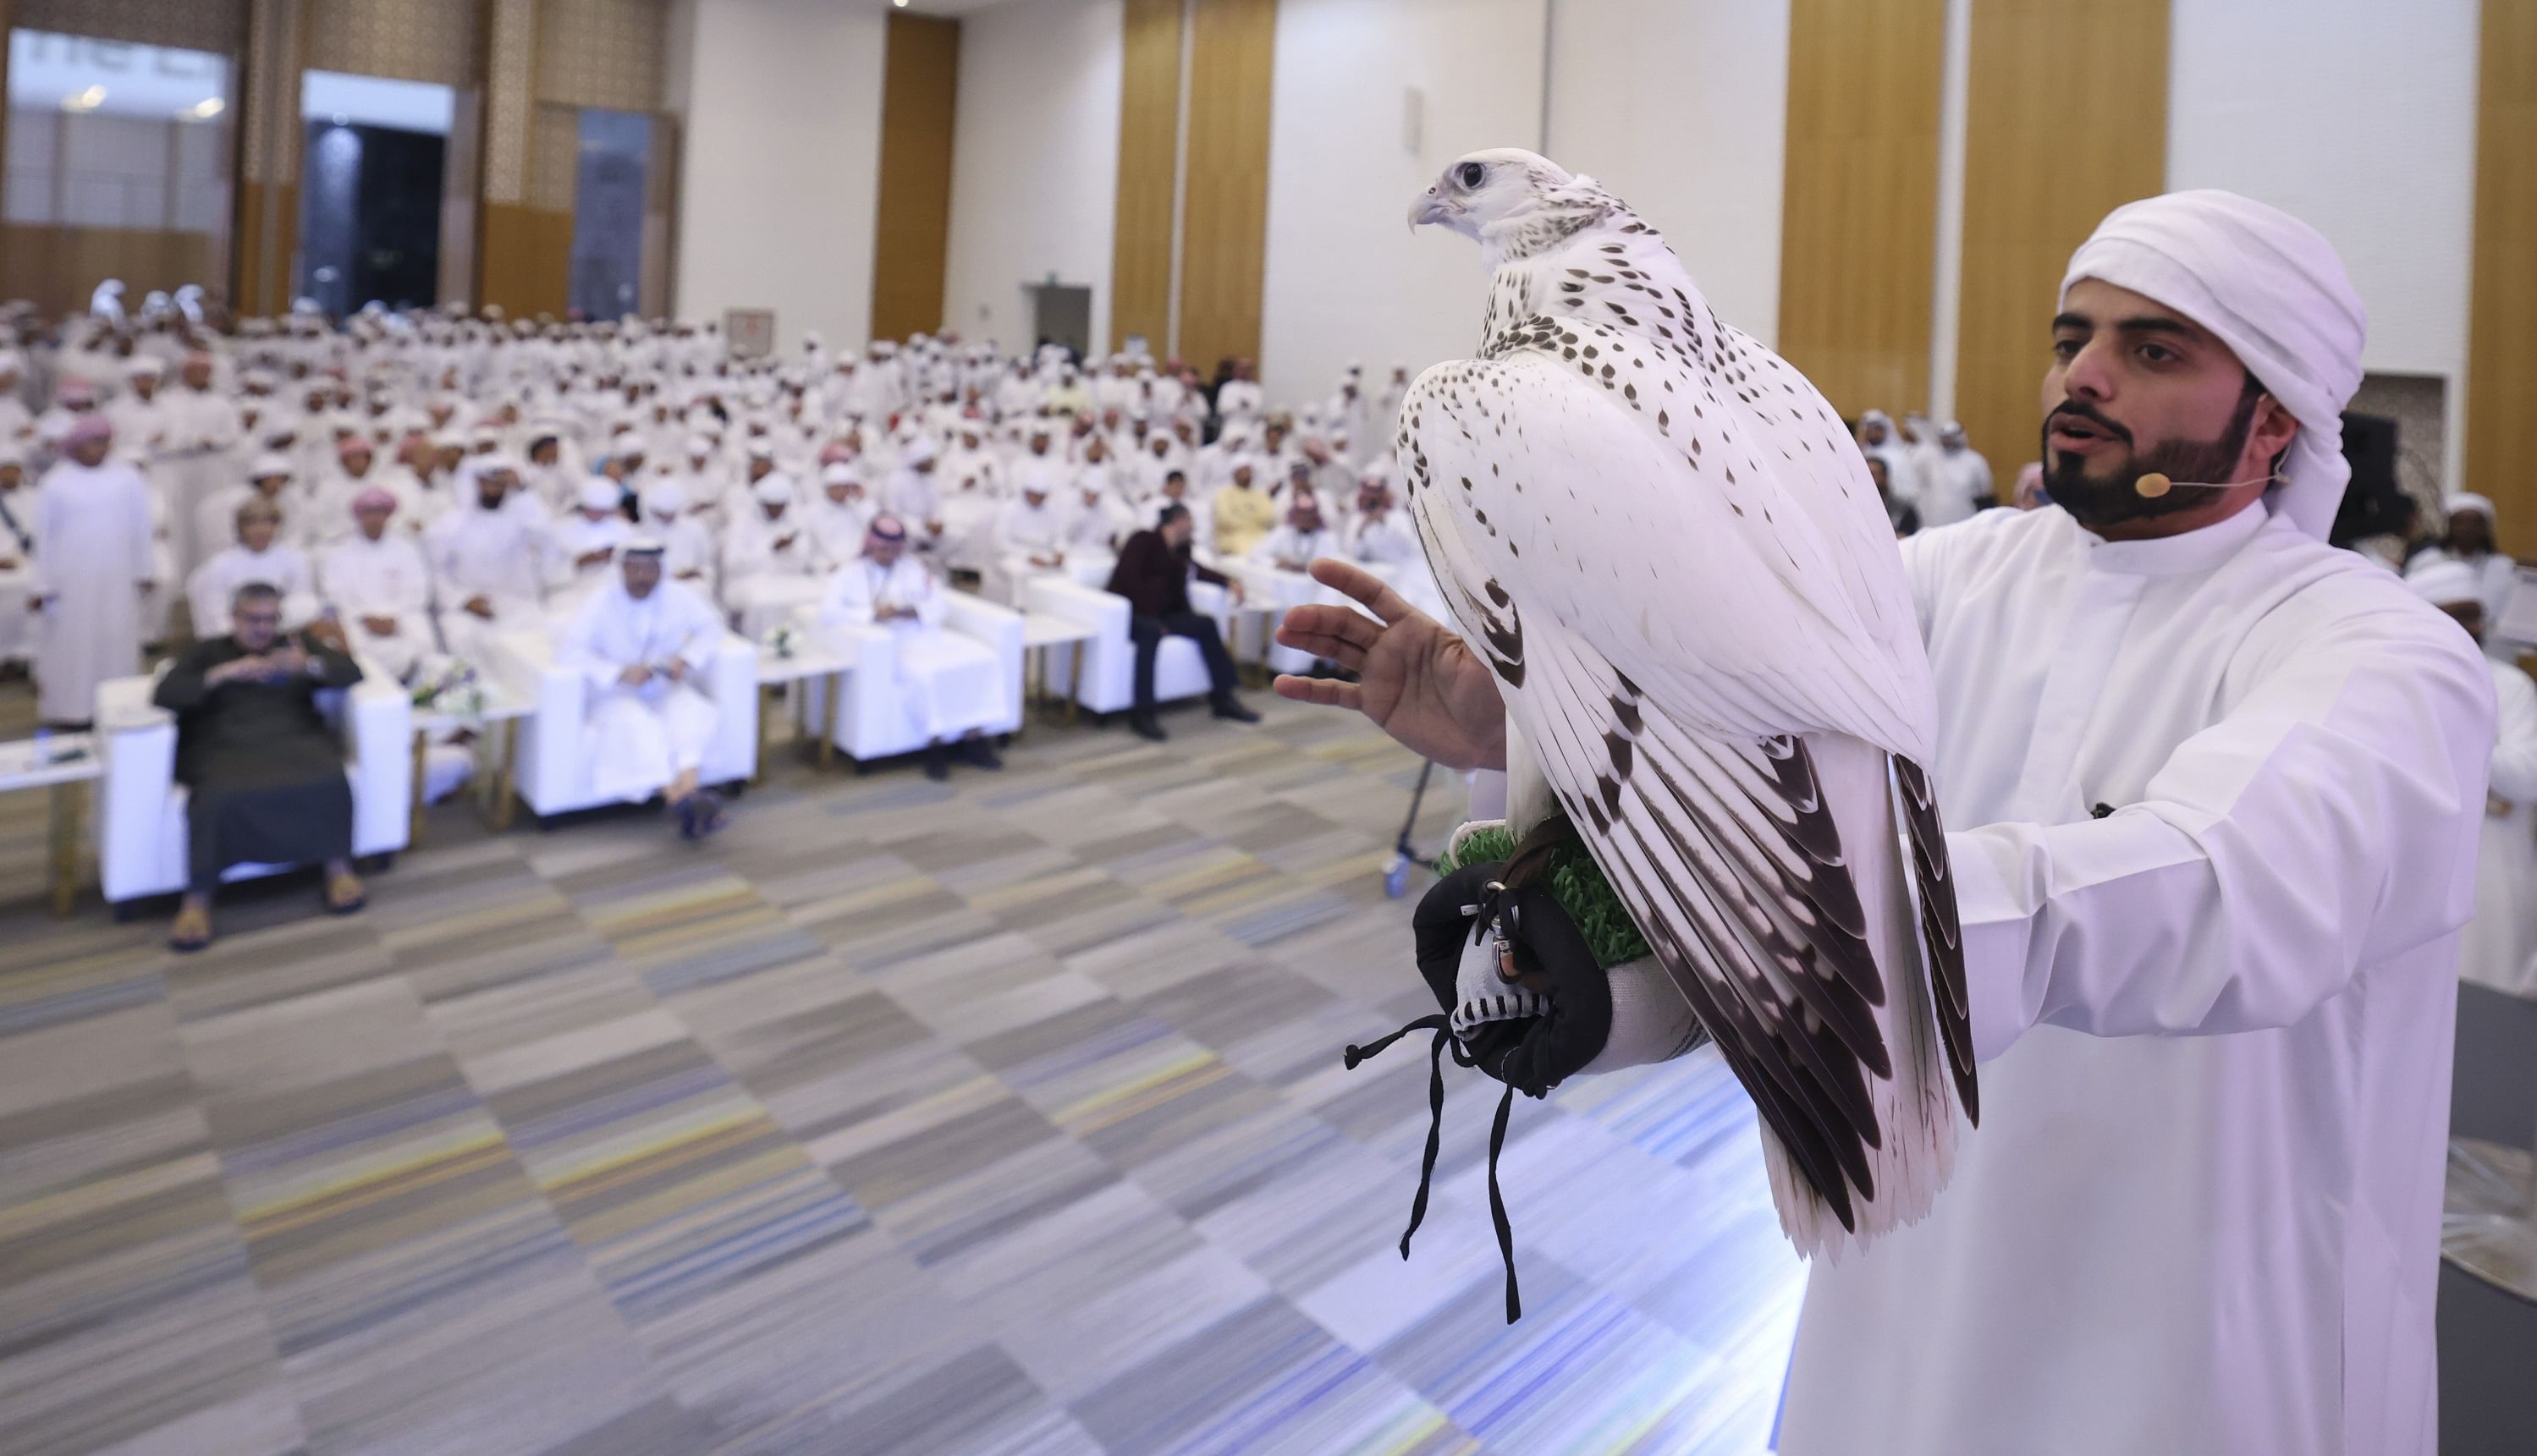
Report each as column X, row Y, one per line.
column 1660, row 537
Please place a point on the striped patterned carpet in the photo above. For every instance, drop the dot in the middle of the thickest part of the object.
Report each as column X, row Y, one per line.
column 1002, row 1117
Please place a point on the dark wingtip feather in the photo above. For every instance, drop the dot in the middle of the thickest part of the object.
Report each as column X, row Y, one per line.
column 1941, row 931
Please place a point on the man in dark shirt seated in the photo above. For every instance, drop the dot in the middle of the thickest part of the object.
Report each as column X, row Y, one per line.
column 263, row 771
column 1153, row 574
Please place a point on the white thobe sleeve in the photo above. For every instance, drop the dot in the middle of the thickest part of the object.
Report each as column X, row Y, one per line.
column 48, row 526
column 848, row 601
column 2515, row 739
column 2327, row 821
column 143, row 523
column 704, row 627
column 917, row 587
column 582, row 646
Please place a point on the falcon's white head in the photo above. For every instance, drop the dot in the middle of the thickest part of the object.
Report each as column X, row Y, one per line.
column 1512, row 203
column 1485, row 188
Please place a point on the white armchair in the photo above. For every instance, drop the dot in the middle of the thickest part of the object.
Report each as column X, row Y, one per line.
column 1108, row 681
column 552, row 768
column 872, row 723
column 140, row 840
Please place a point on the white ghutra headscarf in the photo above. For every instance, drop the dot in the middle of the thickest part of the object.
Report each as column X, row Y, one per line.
column 2273, row 289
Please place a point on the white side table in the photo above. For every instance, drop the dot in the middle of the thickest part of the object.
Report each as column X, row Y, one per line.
column 497, row 731
column 1040, row 632
column 815, row 658
column 64, row 763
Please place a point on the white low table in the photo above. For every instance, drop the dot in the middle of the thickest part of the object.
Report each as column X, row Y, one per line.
column 1040, row 632
column 60, row 763
column 814, row 657
column 496, row 727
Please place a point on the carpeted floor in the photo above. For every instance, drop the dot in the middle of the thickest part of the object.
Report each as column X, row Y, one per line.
column 1000, row 1117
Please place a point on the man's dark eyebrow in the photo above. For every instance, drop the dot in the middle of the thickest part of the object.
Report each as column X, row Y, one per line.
column 2159, row 323
column 2148, row 323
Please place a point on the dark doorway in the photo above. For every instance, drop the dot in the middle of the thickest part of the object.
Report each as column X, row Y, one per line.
column 369, row 217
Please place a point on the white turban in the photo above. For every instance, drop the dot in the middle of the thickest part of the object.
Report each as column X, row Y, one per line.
column 2468, row 500
column 663, row 498
column 2443, row 582
column 2270, row 287
column 775, row 490
column 599, row 493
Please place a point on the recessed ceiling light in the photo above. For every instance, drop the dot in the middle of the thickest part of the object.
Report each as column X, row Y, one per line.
column 206, row 108
column 85, row 101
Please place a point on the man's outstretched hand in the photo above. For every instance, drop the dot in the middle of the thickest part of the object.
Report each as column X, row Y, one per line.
column 1416, row 680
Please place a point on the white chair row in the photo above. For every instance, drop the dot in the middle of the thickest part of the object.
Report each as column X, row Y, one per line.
column 141, row 818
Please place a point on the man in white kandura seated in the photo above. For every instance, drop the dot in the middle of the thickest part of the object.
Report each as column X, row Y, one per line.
column 640, row 643
column 585, row 543
column 377, row 586
column 688, row 544
column 769, row 566
column 256, row 557
column 487, row 565
column 948, row 685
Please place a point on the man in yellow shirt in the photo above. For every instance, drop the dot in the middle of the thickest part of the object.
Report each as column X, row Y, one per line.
column 1244, row 513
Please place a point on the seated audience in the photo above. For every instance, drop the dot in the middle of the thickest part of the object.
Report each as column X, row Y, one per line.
column 257, row 556
column 375, row 584
column 949, row 686
column 641, row 641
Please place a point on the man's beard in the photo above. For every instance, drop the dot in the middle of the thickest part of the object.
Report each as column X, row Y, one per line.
column 2096, row 503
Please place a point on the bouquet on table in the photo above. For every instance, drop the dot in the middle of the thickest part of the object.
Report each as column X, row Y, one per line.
column 451, row 687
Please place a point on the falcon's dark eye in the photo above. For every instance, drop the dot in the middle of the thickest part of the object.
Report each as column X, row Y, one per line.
column 1470, row 174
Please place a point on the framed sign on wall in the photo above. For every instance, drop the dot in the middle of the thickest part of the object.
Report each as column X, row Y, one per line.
column 748, row 332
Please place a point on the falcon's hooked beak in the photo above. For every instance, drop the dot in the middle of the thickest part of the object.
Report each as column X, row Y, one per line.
column 1431, row 206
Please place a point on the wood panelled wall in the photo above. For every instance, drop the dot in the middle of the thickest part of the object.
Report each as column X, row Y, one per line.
column 912, row 220
column 2501, row 350
column 2065, row 120
column 1149, row 120
column 526, row 263
column 1224, row 204
column 1859, row 203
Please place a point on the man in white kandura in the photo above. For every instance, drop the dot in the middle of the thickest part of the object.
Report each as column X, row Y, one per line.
column 2500, row 946
column 947, row 684
column 256, row 554
column 585, row 543
column 2217, row 789
column 94, row 576
column 377, row 586
column 641, row 641
column 487, row 564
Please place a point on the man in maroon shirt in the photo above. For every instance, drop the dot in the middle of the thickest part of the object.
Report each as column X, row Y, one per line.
column 1153, row 574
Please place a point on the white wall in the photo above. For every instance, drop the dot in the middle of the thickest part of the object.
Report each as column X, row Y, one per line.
column 1344, row 277
column 1035, row 163
column 2359, row 117
column 779, row 181
column 1680, row 108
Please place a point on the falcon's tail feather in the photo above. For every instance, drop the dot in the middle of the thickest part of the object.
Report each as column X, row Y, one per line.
column 1916, row 1106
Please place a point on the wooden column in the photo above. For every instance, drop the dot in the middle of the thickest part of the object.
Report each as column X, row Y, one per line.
column 1859, row 203
column 1150, row 128
column 1224, row 204
column 912, row 216
column 267, row 226
column 2502, row 348
column 2038, row 182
